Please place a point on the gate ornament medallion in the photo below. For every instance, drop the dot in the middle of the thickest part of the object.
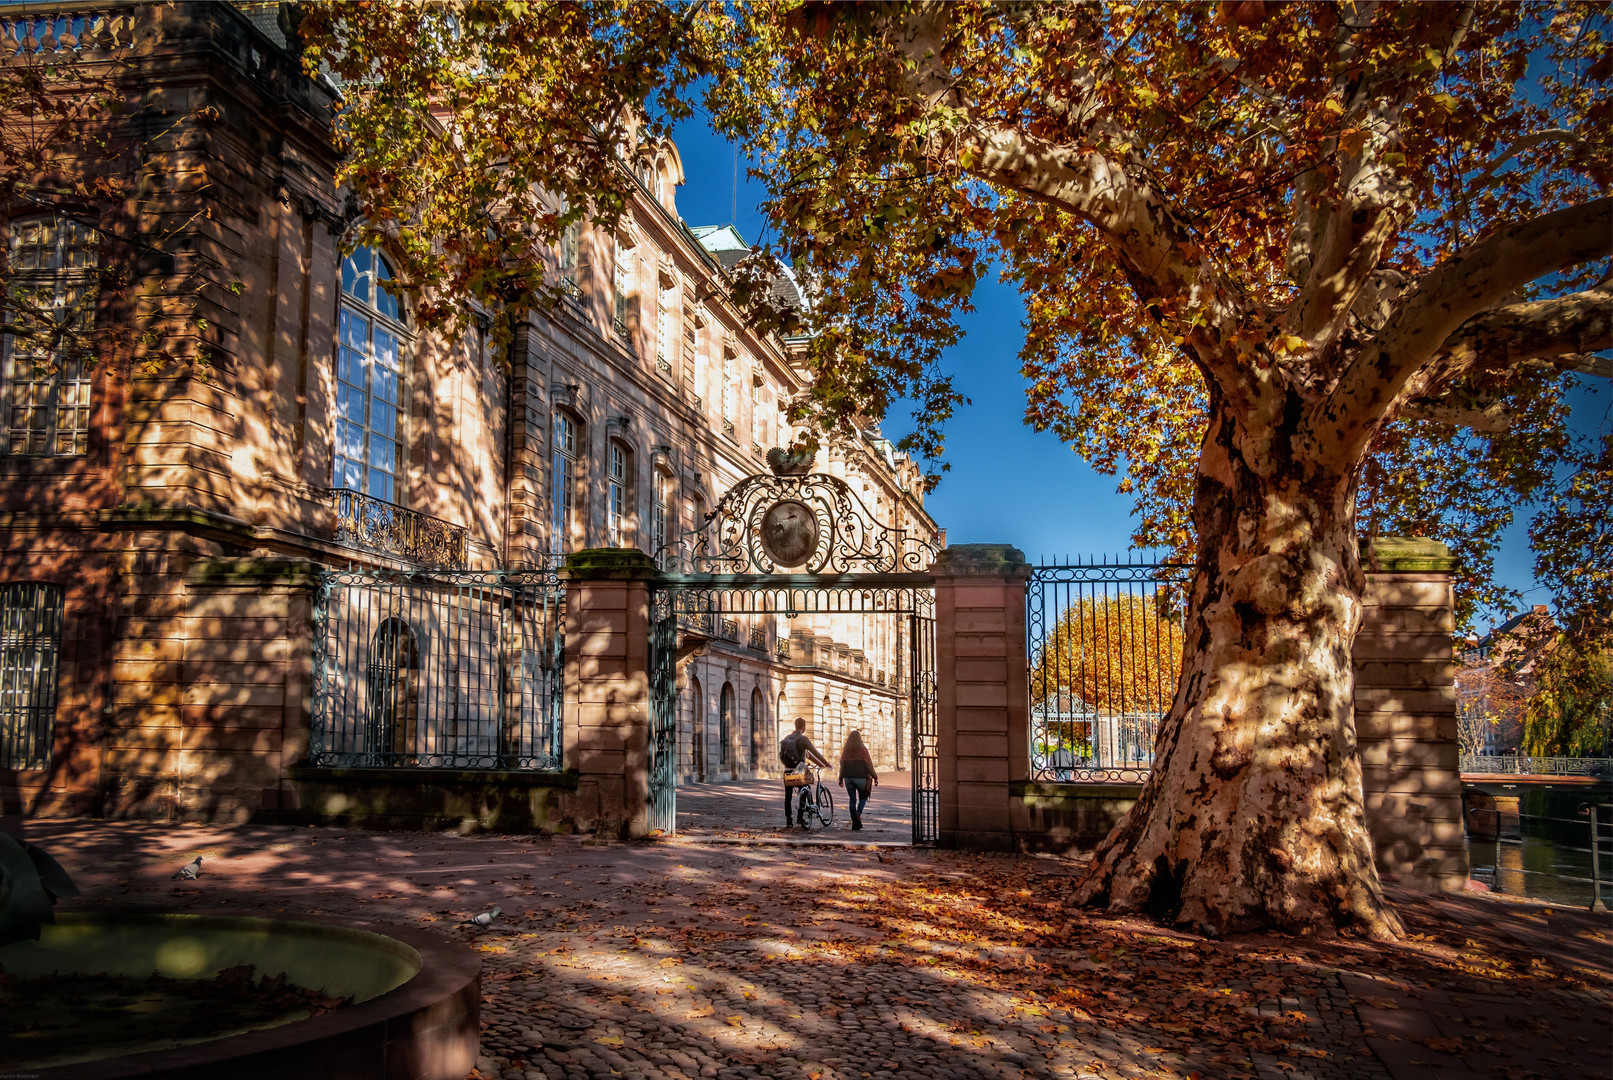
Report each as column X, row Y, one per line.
column 794, row 521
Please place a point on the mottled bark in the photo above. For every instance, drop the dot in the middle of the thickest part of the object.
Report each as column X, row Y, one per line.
column 1253, row 816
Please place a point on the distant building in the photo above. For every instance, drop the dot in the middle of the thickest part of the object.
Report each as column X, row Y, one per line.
column 158, row 528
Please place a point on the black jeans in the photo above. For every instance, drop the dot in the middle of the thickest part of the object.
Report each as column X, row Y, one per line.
column 791, row 816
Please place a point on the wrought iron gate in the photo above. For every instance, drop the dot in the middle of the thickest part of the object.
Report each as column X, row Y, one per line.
column 802, row 547
column 926, row 734
column 439, row 669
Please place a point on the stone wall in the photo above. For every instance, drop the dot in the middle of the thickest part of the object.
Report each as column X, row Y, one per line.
column 1405, row 719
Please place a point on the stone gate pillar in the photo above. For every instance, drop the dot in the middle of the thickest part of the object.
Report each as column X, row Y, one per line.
column 607, row 688
column 982, row 696
column 1405, row 715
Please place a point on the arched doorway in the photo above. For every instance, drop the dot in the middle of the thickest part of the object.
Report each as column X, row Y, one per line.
column 697, row 728
column 758, row 721
column 393, row 679
column 725, row 730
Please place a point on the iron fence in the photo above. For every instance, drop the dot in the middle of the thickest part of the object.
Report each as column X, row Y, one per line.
column 1105, row 649
column 1540, row 856
column 441, row 669
column 30, row 642
column 1522, row 765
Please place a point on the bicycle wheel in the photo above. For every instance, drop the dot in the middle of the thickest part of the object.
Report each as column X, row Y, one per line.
column 825, row 807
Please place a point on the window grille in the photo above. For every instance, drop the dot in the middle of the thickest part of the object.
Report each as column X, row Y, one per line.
column 30, row 642
column 369, row 380
column 47, row 372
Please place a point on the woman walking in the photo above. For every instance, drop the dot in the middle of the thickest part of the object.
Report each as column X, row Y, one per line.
column 857, row 775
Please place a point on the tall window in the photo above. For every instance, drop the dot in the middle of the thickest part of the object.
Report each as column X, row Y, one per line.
column 660, row 508
column 730, row 391
column 30, row 639
column 47, row 379
column 570, row 242
column 663, row 329
column 697, row 342
column 619, row 499
column 697, row 511
column 624, row 284
column 562, row 481
column 369, row 380
column 758, row 429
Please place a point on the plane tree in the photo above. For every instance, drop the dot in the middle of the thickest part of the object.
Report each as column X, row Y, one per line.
column 1306, row 272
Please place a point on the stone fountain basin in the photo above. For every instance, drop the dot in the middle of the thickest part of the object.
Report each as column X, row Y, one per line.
column 414, row 1016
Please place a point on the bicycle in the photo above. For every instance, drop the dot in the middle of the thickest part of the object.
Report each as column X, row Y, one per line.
column 820, row 805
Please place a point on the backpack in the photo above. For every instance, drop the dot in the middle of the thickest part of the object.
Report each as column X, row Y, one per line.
column 789, row 751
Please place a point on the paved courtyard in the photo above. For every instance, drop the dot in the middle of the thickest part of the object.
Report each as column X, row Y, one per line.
column 741, row 950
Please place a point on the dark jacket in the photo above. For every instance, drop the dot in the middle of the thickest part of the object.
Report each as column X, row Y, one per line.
column 855, row 769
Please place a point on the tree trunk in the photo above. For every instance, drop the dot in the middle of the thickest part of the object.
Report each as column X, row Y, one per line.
column 1252, row 816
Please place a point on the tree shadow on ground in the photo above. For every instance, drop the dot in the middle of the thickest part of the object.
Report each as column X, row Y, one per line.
column 669, row 960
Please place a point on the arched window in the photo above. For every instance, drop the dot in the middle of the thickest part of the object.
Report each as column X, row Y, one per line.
column 52, row 302
column 563, row 458
column 394, row 688
column 758, row 722
column 619, row 495
column 30, row 641
column 369, row 380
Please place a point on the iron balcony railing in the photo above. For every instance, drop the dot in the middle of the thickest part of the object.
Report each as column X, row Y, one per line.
column 758, row 639
column 698, row 622
column 388, row 529
column 782, row 649
column 728, row 629
column 1523, row 765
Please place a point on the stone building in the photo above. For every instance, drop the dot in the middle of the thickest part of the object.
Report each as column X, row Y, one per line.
column 164, row 525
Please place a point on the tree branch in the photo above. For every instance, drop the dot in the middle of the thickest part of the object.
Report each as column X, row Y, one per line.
column 1378, row 378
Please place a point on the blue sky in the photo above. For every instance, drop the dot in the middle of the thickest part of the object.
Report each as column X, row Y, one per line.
column 1007, row 484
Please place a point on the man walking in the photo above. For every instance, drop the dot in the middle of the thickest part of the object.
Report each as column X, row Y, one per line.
column 793, row 751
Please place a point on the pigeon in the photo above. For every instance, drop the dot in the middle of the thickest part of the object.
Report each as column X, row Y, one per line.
column 484, row 920
column 190, row 871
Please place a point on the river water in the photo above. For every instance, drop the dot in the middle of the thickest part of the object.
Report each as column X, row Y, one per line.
column 1549, row 860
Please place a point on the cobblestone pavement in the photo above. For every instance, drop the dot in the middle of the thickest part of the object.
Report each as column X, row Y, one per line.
column 703, row 957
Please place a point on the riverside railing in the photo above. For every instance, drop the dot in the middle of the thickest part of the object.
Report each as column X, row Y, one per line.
column 1514, row 833
column 1522, row 765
